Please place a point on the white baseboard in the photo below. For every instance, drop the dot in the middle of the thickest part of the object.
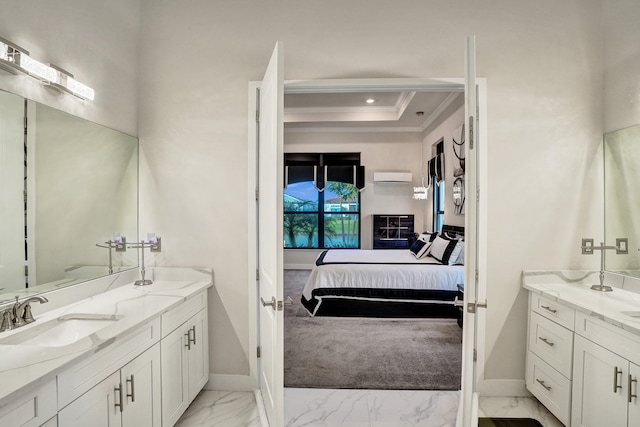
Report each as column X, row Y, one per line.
column 502, row 388
column 298, row 266
column 264, row 421
column 230, row 382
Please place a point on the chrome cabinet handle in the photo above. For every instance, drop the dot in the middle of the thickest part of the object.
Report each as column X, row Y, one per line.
column 188, row 335
column 192, row 340
column 616, row 371
column 546, row 307
column 630, row 394
column 118, row 390
column 547, row 342
column 132, row 395
column 548, row 388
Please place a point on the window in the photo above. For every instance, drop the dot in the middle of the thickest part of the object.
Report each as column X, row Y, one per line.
column 322, row 200
column 438, row 192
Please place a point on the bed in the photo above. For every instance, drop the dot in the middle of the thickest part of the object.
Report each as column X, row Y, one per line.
column 384, row 283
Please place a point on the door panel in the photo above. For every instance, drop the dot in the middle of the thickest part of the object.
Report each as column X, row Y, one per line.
column 469, row 397
column 270, row 235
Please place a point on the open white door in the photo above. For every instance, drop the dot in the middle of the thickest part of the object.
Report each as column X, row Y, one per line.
column 12, row 254
column 270, row 237
column 469, row 398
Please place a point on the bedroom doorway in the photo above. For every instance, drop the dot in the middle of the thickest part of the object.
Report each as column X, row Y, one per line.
column 433, row 85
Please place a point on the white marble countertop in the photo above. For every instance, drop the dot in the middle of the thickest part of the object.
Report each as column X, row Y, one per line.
column 573, row 289
column 22, row 366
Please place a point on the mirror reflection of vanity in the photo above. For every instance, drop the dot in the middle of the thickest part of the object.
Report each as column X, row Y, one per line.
column 67, row 185
column 622, row 197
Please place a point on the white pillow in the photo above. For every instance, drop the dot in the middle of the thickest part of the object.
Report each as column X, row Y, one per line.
column 445, row 250
column 460, row 260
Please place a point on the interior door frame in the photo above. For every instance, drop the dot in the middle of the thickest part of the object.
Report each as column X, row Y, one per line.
column 352, row 86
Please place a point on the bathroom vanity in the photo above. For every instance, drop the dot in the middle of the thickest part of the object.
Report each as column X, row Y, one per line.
column 583, row 348
column 130, row 356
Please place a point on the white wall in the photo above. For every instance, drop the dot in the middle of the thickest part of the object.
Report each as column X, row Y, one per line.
column 449, row 122
column 542, row 64
column 379, row 151
column 95, row 40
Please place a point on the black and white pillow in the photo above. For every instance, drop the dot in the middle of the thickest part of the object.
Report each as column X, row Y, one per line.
column 428, row 236
column 420, row 248
column 445, row 250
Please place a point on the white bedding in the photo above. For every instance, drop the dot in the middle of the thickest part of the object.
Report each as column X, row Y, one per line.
column 382, row 269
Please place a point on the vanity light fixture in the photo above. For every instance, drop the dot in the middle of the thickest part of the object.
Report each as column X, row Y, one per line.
column 16, row 60
column 67, row 83
column 370, row 101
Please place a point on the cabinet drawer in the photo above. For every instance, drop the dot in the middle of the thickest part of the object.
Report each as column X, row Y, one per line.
column 619, row 341
column 86, row 374
column 178, row 315
column 553, row 310
column 31, row 409
column 552, row 343
column 551, row 388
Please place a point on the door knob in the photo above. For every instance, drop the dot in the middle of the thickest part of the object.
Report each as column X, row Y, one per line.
column 271, row 303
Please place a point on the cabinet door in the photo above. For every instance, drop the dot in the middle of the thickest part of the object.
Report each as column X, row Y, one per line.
column 198, row 353
column 141, row 383
column 597, row 372
column 98, row 407
column 174, row 365
column 632, row 396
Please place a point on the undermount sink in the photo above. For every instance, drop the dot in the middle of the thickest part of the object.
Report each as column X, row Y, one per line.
column 62, row 331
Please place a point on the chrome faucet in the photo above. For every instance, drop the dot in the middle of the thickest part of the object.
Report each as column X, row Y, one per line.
column 6, row 319
column 22, row 310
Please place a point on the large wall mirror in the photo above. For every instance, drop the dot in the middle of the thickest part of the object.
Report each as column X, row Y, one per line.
column 622, row 198
column 68, row 187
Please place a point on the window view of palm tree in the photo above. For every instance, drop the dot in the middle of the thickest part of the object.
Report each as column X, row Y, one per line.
column 321, row 219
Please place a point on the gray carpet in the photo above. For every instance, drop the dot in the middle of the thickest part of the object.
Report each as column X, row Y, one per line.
column 367, row 353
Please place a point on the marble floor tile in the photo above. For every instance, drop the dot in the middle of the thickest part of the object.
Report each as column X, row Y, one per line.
column 222, row 409
column 356, row 408
column 517, row 407
column 371, row 408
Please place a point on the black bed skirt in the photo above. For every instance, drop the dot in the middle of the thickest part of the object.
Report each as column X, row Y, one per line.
column 386, row 306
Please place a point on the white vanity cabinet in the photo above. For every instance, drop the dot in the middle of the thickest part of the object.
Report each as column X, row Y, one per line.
column 606, row 374
column 128, row 397
column 549, row 362
column 33, row 408
column 185, row 357
column 583, row 369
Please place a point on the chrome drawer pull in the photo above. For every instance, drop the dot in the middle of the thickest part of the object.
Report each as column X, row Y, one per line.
column 132, row 395
column 630, row 394
column 548, row 388
column 616, row 371
column 547, row 342
column 118, row 390
column 549, row 309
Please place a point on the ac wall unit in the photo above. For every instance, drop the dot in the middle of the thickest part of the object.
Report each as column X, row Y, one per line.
column 392, row 176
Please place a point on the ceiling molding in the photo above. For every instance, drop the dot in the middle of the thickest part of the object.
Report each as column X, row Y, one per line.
column 361, row 129
column 438, row 111
column 403, row 102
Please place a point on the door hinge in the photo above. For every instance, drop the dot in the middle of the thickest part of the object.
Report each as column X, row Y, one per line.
column 257, row 194
column 257, row 116
column 477, row 194
column 477, row 275
column 471, row 120
column 257, row 274
column 258, row 352
column 475, row 355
